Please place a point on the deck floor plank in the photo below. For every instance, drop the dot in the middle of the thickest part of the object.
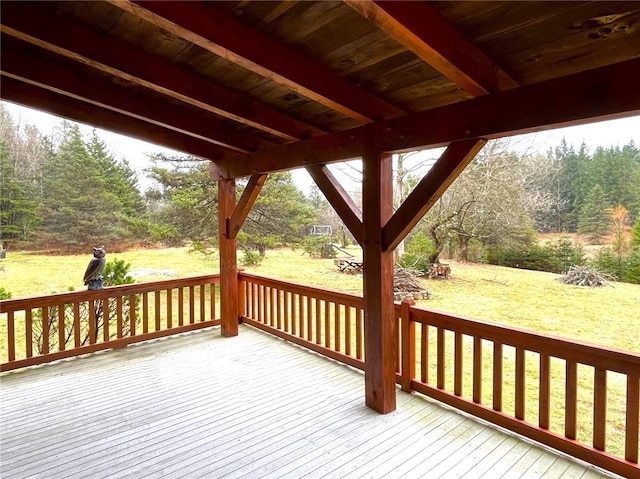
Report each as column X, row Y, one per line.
column 199, row 405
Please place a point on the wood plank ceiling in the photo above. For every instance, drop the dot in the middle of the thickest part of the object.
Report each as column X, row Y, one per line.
column 263, row 86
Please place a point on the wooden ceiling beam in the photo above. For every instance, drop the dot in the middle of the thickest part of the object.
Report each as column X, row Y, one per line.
column 55, row 77
column 594, row 95
column 423, row 30
column 32, row 96
column 214, row 30
column 448, row 167
column 117, row 58
column 338, row 198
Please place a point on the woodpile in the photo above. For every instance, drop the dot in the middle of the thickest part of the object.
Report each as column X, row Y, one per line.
column 585, row 276
column 405, row 284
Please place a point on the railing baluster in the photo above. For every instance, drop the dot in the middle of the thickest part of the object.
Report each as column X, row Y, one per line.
column 294, row 313
column 544, row 387
column 202, row 296
column 92, row 322
column 359, row 348
column 11, row 336
column 497, row 376
column 262, row 304
column 132, row 315
column 119, row 314
column 319, row 322
column 347, row 330
column 310, row 318
column 440, row 366
column 192, row 305
column 599, row 408
column 76, row 324
column 477, row 369
column 286, row 305
column 571, row 399
column 157, row 309
column 105, row 320
column 301, row 317
column 61, row 328
column 45, row 330
column 145, row 313
column 457, row 374
column 279, row 308
column 214, row 300
column 169, row 308
column 424, row 353
column 272, row 319
column 336, row 326
column 180, row 306
column 408, row 347
column 28, row 328
column 520, row 383
column 327, row 324
column 632, row 418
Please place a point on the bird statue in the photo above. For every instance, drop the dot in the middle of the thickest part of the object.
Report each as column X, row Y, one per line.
column 93, row 275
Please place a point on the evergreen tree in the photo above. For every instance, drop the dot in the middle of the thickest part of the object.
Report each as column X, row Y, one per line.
column 617, row 171
column 183, row 204
column 79, row 208
column 572, row 186
column 635, row 234
column 280, row 215
column 119, row 176
column 18, row 214
column 594, row 219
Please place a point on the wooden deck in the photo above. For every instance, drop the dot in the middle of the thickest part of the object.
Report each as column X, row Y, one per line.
column 199, row 405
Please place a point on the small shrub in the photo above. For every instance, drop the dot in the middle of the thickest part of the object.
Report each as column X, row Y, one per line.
column 418, row 251
column 606, row 260
column 116, row 272
column 251, row 257
column 555, row 256
column 4, row 294
column 318, row 247
column 632, row 273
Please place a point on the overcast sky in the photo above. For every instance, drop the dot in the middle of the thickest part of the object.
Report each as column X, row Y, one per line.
column 609, row 133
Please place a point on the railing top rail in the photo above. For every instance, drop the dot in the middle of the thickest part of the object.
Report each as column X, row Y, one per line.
column 587, row 353
column 336, row 296
column 20, row 304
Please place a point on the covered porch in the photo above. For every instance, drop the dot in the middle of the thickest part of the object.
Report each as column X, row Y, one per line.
column 260, row 87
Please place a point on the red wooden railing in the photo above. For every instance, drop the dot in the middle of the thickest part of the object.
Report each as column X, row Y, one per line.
column 470, row 360
column 327, row 322
column 501, row 374
column 47, row 328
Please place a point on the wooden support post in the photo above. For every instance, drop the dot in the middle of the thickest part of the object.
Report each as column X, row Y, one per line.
column 380, row 324
column 228, row 260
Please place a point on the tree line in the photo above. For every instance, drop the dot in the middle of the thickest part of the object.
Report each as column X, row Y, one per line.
column 67, row 192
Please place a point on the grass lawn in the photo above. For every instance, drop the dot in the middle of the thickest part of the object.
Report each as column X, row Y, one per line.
column 608, row 316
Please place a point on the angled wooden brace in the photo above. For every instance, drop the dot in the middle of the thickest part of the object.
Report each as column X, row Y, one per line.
column 242, row 209
column 339, row 199
column 452, row 162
